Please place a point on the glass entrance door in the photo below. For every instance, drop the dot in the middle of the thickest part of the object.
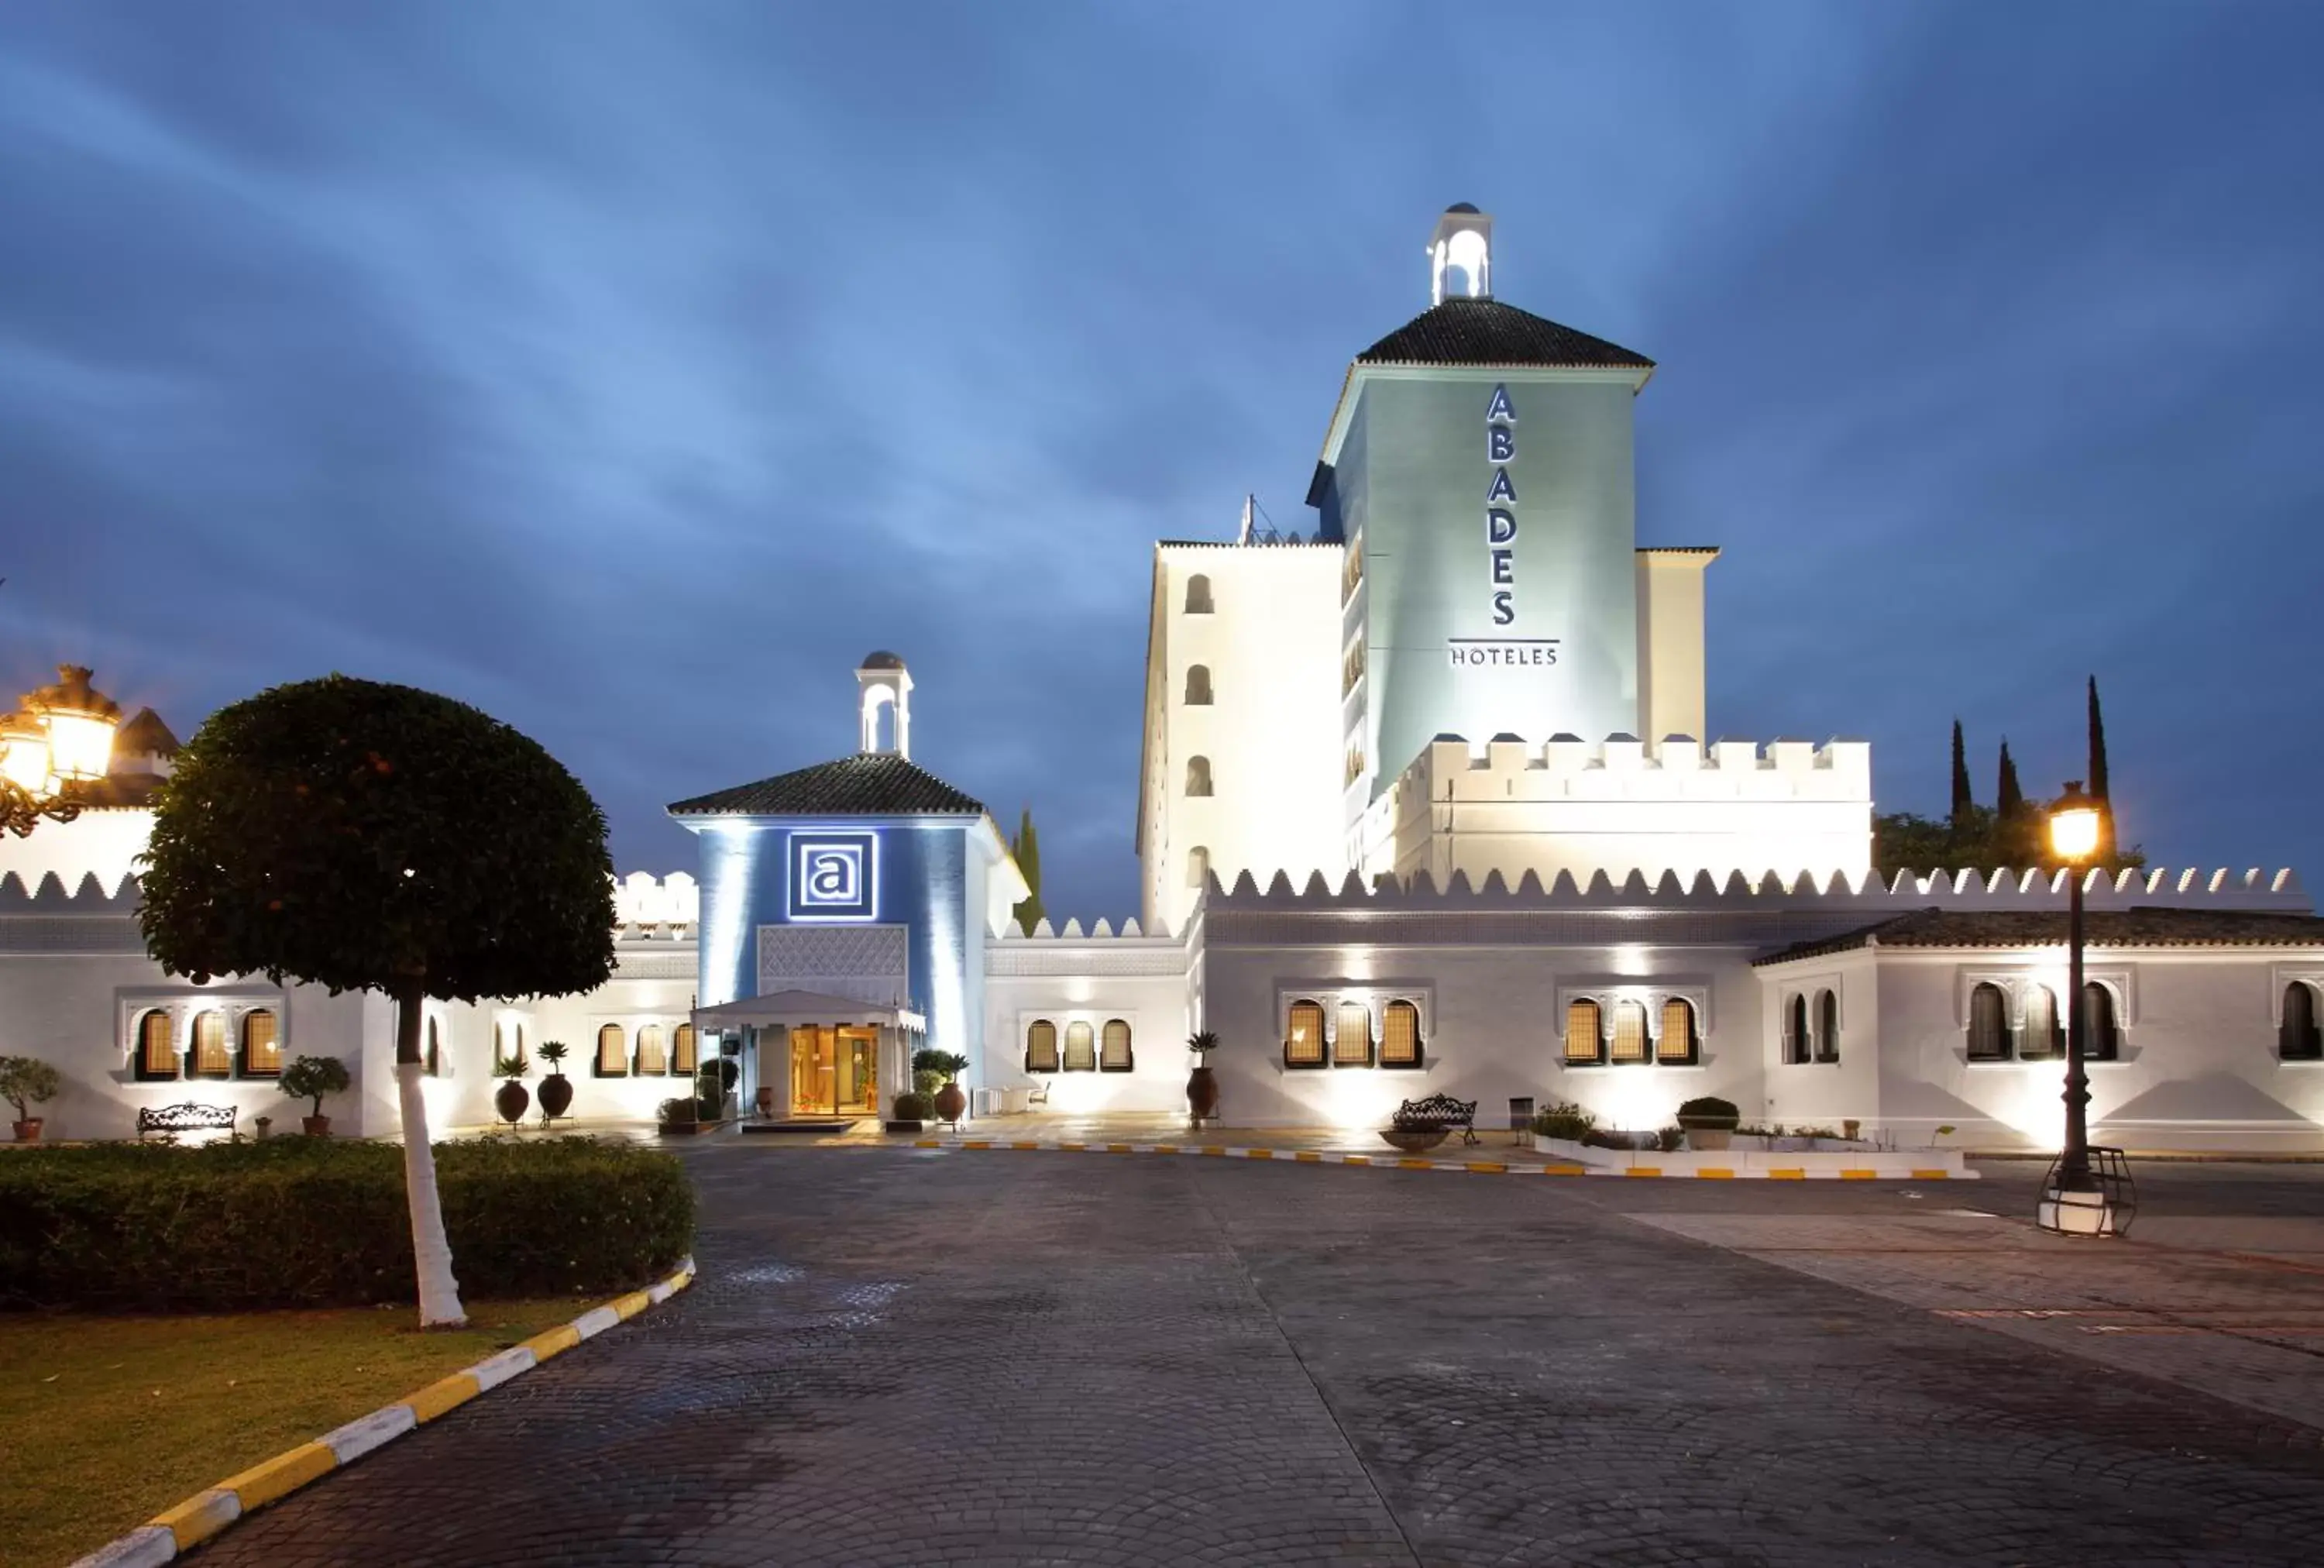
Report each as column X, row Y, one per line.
column 835, row 1071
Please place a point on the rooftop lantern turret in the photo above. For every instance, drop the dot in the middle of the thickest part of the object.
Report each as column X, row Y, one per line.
column 881, row 681
column 1460, row 255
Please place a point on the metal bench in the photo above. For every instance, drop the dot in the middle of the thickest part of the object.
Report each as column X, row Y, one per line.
column 1439, row 1110
column 174, row 1119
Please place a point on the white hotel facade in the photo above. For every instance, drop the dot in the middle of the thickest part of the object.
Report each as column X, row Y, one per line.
column 1427, row 804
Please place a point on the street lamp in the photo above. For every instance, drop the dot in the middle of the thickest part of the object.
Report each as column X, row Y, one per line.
column 61, row 738
column 2075, row 1201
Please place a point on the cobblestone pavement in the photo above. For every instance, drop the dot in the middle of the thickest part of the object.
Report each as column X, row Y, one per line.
column 898, row 1358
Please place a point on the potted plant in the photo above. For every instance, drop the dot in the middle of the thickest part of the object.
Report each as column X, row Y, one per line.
column 557, row 1089
column 1202, row 1083
column 951, row 1100
column 311, row 1078
column 512, row 1097
column 26, row 1082
column 910, row 1111
column 1414, row 1133
column 1710, row 1122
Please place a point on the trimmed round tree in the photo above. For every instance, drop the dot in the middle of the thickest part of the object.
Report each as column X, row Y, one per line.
column 361, row 836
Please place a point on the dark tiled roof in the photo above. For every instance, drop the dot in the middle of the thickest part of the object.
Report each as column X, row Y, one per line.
column 2145, row 927
column 143, row 734
column 1488, row 332
column 860, row 786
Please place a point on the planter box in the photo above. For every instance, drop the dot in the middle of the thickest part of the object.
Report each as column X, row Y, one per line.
column 1709, row 1139
column 893, row 1125
column 688, row 1129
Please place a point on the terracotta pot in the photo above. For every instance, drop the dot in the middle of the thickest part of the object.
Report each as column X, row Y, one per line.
column 316, row 1125
column 951, row 1102
column 27, row 1131
column 1203, row 1093
column 556, row 1095
column 1417, row 1141
column 1849, row 1129
column 766, row 1101
column 510, row 1100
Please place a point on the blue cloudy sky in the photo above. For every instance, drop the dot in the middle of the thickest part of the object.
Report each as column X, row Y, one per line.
column 629, row 369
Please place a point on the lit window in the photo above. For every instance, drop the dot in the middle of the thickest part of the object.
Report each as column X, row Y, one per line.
column 262, row 1045
column 209, row 1053
column 681, row 1051
column 1081, row 1048
column 1198, row 866
column 1198, row 775
column 1989, row 1024
column 1198, row 595
column 1198, row 685
column 1678, row 1044
column 1302, row 1041
column 2101, row 1040
column 613, row 1053
column 1351, row 1042
column 650, row 1052
column 157, row 1056
column 1113, row 1055
column 1041, row 1047
column 1401, row 1035
column 1631, row 1034
column 1584, row 1041
column 2044, row 1036
column 1827, row 1040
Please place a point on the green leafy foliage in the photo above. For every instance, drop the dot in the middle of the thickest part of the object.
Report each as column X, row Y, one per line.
column 1565, row 1120
column 1977, row 839
column 915, row 1107
column 26, row 1082
column 1671, row 1139
column 554, row 1053
column 927, row 1081
column 1710, row 1114
column 1026, row 847
column 312, row 1077
column 1202, row 1042
column 951, row 1063
column 297, row 1222
column 360, row 835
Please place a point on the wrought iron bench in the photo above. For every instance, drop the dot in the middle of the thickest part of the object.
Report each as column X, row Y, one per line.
column 1439, row 1110
column 186, row 1118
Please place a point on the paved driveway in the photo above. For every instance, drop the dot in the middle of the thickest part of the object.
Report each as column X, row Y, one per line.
column 998, row 1357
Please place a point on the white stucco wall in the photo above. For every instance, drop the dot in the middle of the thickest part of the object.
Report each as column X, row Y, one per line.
column 1670, row 643
column 1141, row 980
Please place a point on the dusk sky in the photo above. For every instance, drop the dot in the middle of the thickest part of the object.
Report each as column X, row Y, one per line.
column 630, row 371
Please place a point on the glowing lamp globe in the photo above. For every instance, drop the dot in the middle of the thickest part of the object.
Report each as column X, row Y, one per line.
column 80, row 722
column 25, row 754
column 2074, row 825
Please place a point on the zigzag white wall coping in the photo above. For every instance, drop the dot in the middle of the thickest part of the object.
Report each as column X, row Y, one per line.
column 1102, row 931
column 639, row 898
column 2033, row 889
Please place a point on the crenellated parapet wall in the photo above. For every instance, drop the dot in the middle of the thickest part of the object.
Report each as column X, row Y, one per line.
column 642, row 904
column 1621, row 768
column 645, row 906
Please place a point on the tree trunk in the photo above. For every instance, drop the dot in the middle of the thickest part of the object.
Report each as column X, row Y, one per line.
column 431, row 1254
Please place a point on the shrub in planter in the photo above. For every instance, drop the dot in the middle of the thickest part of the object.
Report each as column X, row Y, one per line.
column 677, row 1112
column 309, row 1078
column 913, row 1107
column 950, row 1101
column 1565, row 1120
column 1671, row 1139
column 26, row 1082
column 297, row 1222
column 1709, row 1121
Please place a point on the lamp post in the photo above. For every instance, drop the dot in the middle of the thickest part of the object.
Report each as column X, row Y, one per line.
column 61, row 739
column 2073, row 1201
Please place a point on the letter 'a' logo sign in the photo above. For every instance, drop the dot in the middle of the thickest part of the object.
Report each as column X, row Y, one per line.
column 835, row 876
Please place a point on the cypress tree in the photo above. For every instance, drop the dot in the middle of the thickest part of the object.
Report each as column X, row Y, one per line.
column 2098, row 773
column 1026, row 849
column 1962, row 797
column 2010, row 802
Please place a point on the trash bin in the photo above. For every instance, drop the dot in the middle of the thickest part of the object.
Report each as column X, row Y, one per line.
column 1520, row 1112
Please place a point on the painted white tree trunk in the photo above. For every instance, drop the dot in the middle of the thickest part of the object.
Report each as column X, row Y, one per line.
column 439, row 1293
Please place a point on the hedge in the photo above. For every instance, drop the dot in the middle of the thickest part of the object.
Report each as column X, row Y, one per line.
column 308, row 1221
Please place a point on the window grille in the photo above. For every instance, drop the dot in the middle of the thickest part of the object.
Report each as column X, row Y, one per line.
column 1630, row 1033
column 1351, row 1042
column 157, row 1056
column 1081, row 1047
column 209, row 1053
column 262, row 1044
column 1989, row 1024
column 1584, row 1037
column 1041, row 1047
column 1401, row 1035
column 613, row 1053
column 1678, row 1044
column 1115, row 1047
column 681, row 1051
column 2044, row 1036
column 651, row 1058
column 1303, row 1043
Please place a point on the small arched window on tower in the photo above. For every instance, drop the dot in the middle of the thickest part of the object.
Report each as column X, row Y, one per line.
column 1041, row 1047
column 1631, row 1046
column 1677, row 1046
column 613, row 1053
column 1989, row 1024
column 1401, row 1035
column 2101, row 1038
column 2299, row 1039
column 1799, row 1044
column 1081, row 1047
column 1351, row 1042
column 1113, row 1047
column 1302, row 1037
column 1198, row 865
column 1198, row 776
column 1827, row 1026
column 262, row 1044
column 2045, row 1036
column 1198, row 595
column 1585, row 1041
column 157, row 1055
column 1198, row 685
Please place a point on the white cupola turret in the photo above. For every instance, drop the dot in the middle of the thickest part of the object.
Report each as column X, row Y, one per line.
column 1460, row 255
column 881, row 681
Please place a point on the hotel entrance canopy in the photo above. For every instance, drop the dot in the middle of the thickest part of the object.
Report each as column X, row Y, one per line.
column 806, row 1007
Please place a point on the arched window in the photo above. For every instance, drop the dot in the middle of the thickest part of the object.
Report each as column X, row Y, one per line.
column 1827, row 1026
column 2101, row 1040
column 1989, row 1024
column 613, row 1053
column 1198, row 775
column 1198, row 865
column 1798, row 1045
column 1041, row 1047
column 262, row 1044
column 1678, row 1044
column 1585, row 1041
column 1113, row 1053
column 521, row 1060
column 433, row 1062
column 157, row 1055
column 1351, row 1042
column 1081, row 1047
column 2044, row 1034
column 681, row 1052
column 209, row 1049
column 1198, row 595
column 1198, row 685
column 650, row 1053
column 1302, row 1041
column 2299, row 1040
column 1401, row 1035
column 1630, row 1033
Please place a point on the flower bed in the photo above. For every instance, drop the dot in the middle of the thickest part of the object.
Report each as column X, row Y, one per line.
column 294, row 1221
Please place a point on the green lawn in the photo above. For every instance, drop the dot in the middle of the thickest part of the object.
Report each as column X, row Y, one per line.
column 105, row 1420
